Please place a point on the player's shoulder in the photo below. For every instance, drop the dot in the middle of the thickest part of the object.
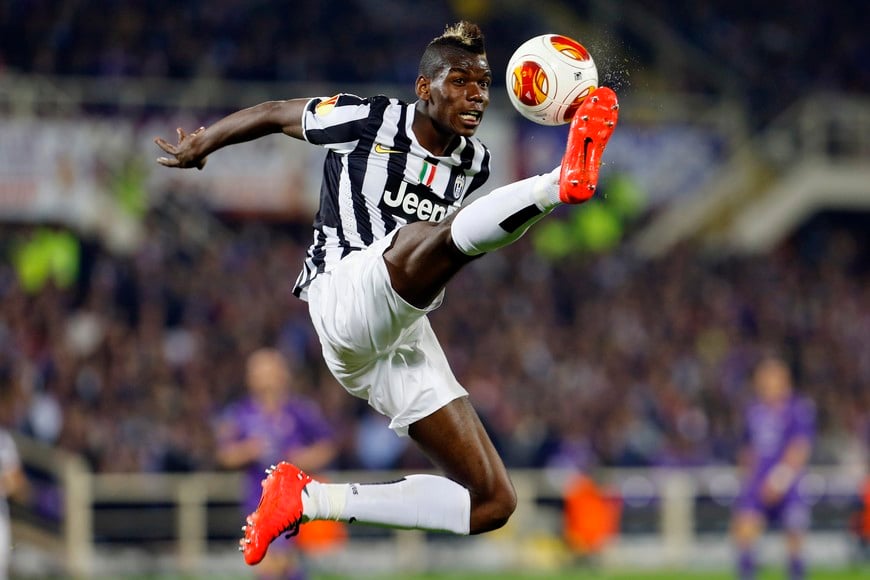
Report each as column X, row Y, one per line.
column 344, row 107
column 478, row 144
column 755, row 411
column 804, row 408
column 352, row 99
column 301, row 405
column 239, row 409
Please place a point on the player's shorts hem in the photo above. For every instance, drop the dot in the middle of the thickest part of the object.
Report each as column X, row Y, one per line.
column 402, row 423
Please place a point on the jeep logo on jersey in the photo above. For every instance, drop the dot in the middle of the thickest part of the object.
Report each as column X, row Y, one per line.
column 416, row 204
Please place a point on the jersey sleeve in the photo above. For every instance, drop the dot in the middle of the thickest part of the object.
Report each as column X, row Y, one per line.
column 480, row 166
column 804, row 419
column 227, row 426
column 313, row 425
column 337, row 122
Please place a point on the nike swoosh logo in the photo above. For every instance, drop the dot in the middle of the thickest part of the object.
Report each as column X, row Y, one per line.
column 385, row 150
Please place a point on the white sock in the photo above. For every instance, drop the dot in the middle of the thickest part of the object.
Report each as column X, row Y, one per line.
column 503, row 216
column 423, row 502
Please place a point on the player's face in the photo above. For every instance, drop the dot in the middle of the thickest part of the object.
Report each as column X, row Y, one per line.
column 459, row 94
column 773, row 381
column 267, row 375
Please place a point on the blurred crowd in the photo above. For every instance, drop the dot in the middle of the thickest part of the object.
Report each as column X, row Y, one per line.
column 775, row 52
column 271, row 40
column 595, row 360
column 769, row 54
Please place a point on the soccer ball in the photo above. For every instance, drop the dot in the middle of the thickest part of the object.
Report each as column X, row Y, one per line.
column 548, row 77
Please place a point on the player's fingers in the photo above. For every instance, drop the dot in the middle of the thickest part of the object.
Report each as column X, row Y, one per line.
column 168, row 161
column 165, row 145
column 181, row 134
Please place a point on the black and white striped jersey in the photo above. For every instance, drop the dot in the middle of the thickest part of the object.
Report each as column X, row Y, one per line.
column 377, row 177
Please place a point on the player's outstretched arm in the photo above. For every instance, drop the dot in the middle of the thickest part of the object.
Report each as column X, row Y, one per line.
column 248, row 124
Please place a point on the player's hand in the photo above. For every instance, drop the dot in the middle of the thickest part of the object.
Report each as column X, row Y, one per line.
column 771, row 498
column 184, row 153
column 771, row 494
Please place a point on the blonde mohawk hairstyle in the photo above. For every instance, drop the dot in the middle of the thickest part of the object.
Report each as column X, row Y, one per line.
column 463, row 35
column 466, row 33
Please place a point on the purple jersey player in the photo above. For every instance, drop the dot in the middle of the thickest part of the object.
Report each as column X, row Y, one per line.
column 777, row 443
column 268, row 426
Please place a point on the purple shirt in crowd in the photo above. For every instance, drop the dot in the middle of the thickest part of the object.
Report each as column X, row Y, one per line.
column 299, row 423
column 769, row 430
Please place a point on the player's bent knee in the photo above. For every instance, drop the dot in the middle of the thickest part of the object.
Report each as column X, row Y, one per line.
column 506, row 505
column 745, row 529
column 495, row 511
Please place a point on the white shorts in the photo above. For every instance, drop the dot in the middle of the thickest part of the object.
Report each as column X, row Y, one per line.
column 379, row 347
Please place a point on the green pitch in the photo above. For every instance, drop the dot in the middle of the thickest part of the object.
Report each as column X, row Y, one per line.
column 575, row 574
column 850, row 574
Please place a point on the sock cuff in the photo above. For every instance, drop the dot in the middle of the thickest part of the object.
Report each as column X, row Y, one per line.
column 545, row 189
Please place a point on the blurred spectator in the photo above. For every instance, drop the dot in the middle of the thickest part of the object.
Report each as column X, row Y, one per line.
column 272, row 424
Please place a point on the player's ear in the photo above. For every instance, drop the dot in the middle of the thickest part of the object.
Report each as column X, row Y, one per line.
column 422, row 87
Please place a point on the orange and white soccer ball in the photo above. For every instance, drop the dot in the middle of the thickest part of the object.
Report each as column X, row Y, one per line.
column 548, row 77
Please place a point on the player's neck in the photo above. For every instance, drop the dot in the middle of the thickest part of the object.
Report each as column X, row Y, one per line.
column 272, row 404
column 433, row 139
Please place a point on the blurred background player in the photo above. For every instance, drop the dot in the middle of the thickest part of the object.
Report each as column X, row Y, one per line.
column 12, row 484
column 779, row 428
column 273, row 423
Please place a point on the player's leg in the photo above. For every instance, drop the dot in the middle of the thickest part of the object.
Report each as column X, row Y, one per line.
column 746, row 528
column 412, row 383
column 794, row 547
column 455, row 440
column 475, row 495
column 424, row 256
column 795, row 522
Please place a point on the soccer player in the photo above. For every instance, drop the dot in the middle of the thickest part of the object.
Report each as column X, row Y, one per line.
column 272, row 423
column 390, row 233
column 778, row 439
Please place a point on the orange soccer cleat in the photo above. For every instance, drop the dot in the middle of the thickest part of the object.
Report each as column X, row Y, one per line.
column 590, row 129
column 279, row 510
